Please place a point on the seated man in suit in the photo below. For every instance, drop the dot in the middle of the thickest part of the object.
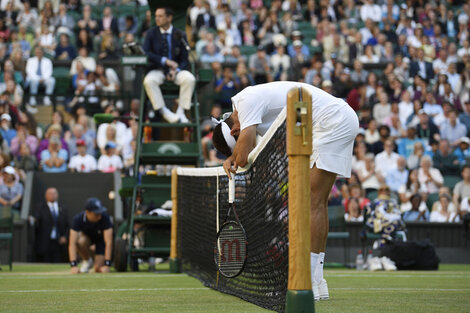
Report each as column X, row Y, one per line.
column 420, row 67
column 51, row 225
column 168, row 59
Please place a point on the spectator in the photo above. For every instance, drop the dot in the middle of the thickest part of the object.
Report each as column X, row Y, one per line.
column 172, row 63
column 386, row 160
column 420, row 67
column 226, row 87
column 107, row 80
column 415, row 209
column 51, row 228
column 280, row 64
column 39, row 72
column 83, row 162
column 244, row 78
column 7, row 132
column 358, row 75
column 398, row 176
column 54, row 159
column 355, row 192
column 145, row 25
column 462, row 152
column 444, row 160
column 414, row 159
column 64, row 50
column 430, row 178
column 442, row 213
column 426, row 129
column 369, row 178
column 462, row 188
column 371, row 11
column 405, row 107
column 84, row 40
column 406, row 145
column 452, row 130
column 108, row 23
column 25, row 161
column 63, row 23
column 77, row 135
column 205, row 18
column 86, row 22
column 211, row 54
column 27, row 16
column 11, row 191
column 47, row 41
column 369, row 56
column 89, row 63
column 129, row 26
column 109, row 161
column 108, row 47
column 259, row 66
column 353, row 213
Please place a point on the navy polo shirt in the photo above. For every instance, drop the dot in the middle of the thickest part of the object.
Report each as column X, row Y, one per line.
column 92, row 230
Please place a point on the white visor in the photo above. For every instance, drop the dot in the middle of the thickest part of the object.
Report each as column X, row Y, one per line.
column 229, row 139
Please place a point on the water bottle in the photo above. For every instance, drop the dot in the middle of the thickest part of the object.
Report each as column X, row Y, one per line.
column 359, row 261
column 369, row 259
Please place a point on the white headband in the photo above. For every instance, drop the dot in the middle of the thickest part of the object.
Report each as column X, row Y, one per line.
column 229, row 139
column 227, row 136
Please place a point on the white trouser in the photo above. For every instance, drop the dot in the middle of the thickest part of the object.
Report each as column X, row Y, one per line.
column 34, row 83
column 184, row 79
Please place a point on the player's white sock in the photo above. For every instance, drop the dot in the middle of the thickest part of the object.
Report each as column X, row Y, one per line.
column 319, row 269
column 313, row 264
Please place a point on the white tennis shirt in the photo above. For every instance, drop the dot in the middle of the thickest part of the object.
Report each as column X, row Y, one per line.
column 261, row 104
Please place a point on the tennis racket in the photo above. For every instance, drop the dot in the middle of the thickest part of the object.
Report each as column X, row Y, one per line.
column 231, row 246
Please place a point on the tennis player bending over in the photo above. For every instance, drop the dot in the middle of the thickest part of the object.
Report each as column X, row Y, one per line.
column 334, row 128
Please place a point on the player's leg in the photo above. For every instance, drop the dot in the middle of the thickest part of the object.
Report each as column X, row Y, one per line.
column 83, row 247
column 152, row 82
column 321, row 183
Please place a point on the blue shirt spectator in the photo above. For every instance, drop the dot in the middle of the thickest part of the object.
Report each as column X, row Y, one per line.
column 452, row 129
column 398, row 176
column 406, row 145
column 6, row 131
column 462, row 152
column 54, row 159
column 412, row 216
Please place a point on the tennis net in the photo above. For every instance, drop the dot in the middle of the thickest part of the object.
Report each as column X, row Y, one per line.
column 261, row 195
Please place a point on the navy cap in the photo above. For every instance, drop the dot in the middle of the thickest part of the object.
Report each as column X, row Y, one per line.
column 94, row 205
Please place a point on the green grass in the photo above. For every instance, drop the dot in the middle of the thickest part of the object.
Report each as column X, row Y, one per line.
column 50, row 288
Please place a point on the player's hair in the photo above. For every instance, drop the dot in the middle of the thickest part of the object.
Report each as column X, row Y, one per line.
column 218, row 138
column 168, row 11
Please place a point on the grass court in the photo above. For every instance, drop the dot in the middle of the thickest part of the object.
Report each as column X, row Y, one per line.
column 50, row 288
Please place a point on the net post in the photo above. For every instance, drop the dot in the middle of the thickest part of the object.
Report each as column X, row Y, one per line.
column 299, row 148
column 175, row 259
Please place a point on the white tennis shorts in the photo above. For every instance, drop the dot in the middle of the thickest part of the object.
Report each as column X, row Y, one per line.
column 333, row 140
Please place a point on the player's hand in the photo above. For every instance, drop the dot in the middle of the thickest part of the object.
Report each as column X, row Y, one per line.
column 104, row 269
column 230, row 167
column 74, row 270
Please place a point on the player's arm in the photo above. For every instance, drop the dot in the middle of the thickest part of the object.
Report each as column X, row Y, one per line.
column 245, row 143
column 73, row 237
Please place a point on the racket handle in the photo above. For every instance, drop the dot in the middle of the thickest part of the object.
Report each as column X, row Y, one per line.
column 231, row 188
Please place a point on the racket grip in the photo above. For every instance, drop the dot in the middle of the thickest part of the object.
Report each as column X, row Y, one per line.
column 231, row 188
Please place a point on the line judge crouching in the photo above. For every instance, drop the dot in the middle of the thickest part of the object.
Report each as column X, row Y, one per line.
column 166, row 49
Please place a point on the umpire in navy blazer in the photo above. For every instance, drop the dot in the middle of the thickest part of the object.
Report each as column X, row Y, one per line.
column 166, row 49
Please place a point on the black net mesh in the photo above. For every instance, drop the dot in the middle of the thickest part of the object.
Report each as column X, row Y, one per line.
column 261, row 204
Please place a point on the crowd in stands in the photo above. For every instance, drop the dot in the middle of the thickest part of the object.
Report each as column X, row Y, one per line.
column 403, row 66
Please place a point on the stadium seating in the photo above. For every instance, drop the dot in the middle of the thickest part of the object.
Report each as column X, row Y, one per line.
column 336, row 220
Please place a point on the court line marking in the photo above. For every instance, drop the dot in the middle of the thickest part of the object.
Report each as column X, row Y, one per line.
column 401, row 289
column 207, row 289
column 101, row 290
column 379, row 275
column 92, row 275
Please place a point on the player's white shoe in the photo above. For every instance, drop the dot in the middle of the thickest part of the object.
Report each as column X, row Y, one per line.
column 86, row 265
